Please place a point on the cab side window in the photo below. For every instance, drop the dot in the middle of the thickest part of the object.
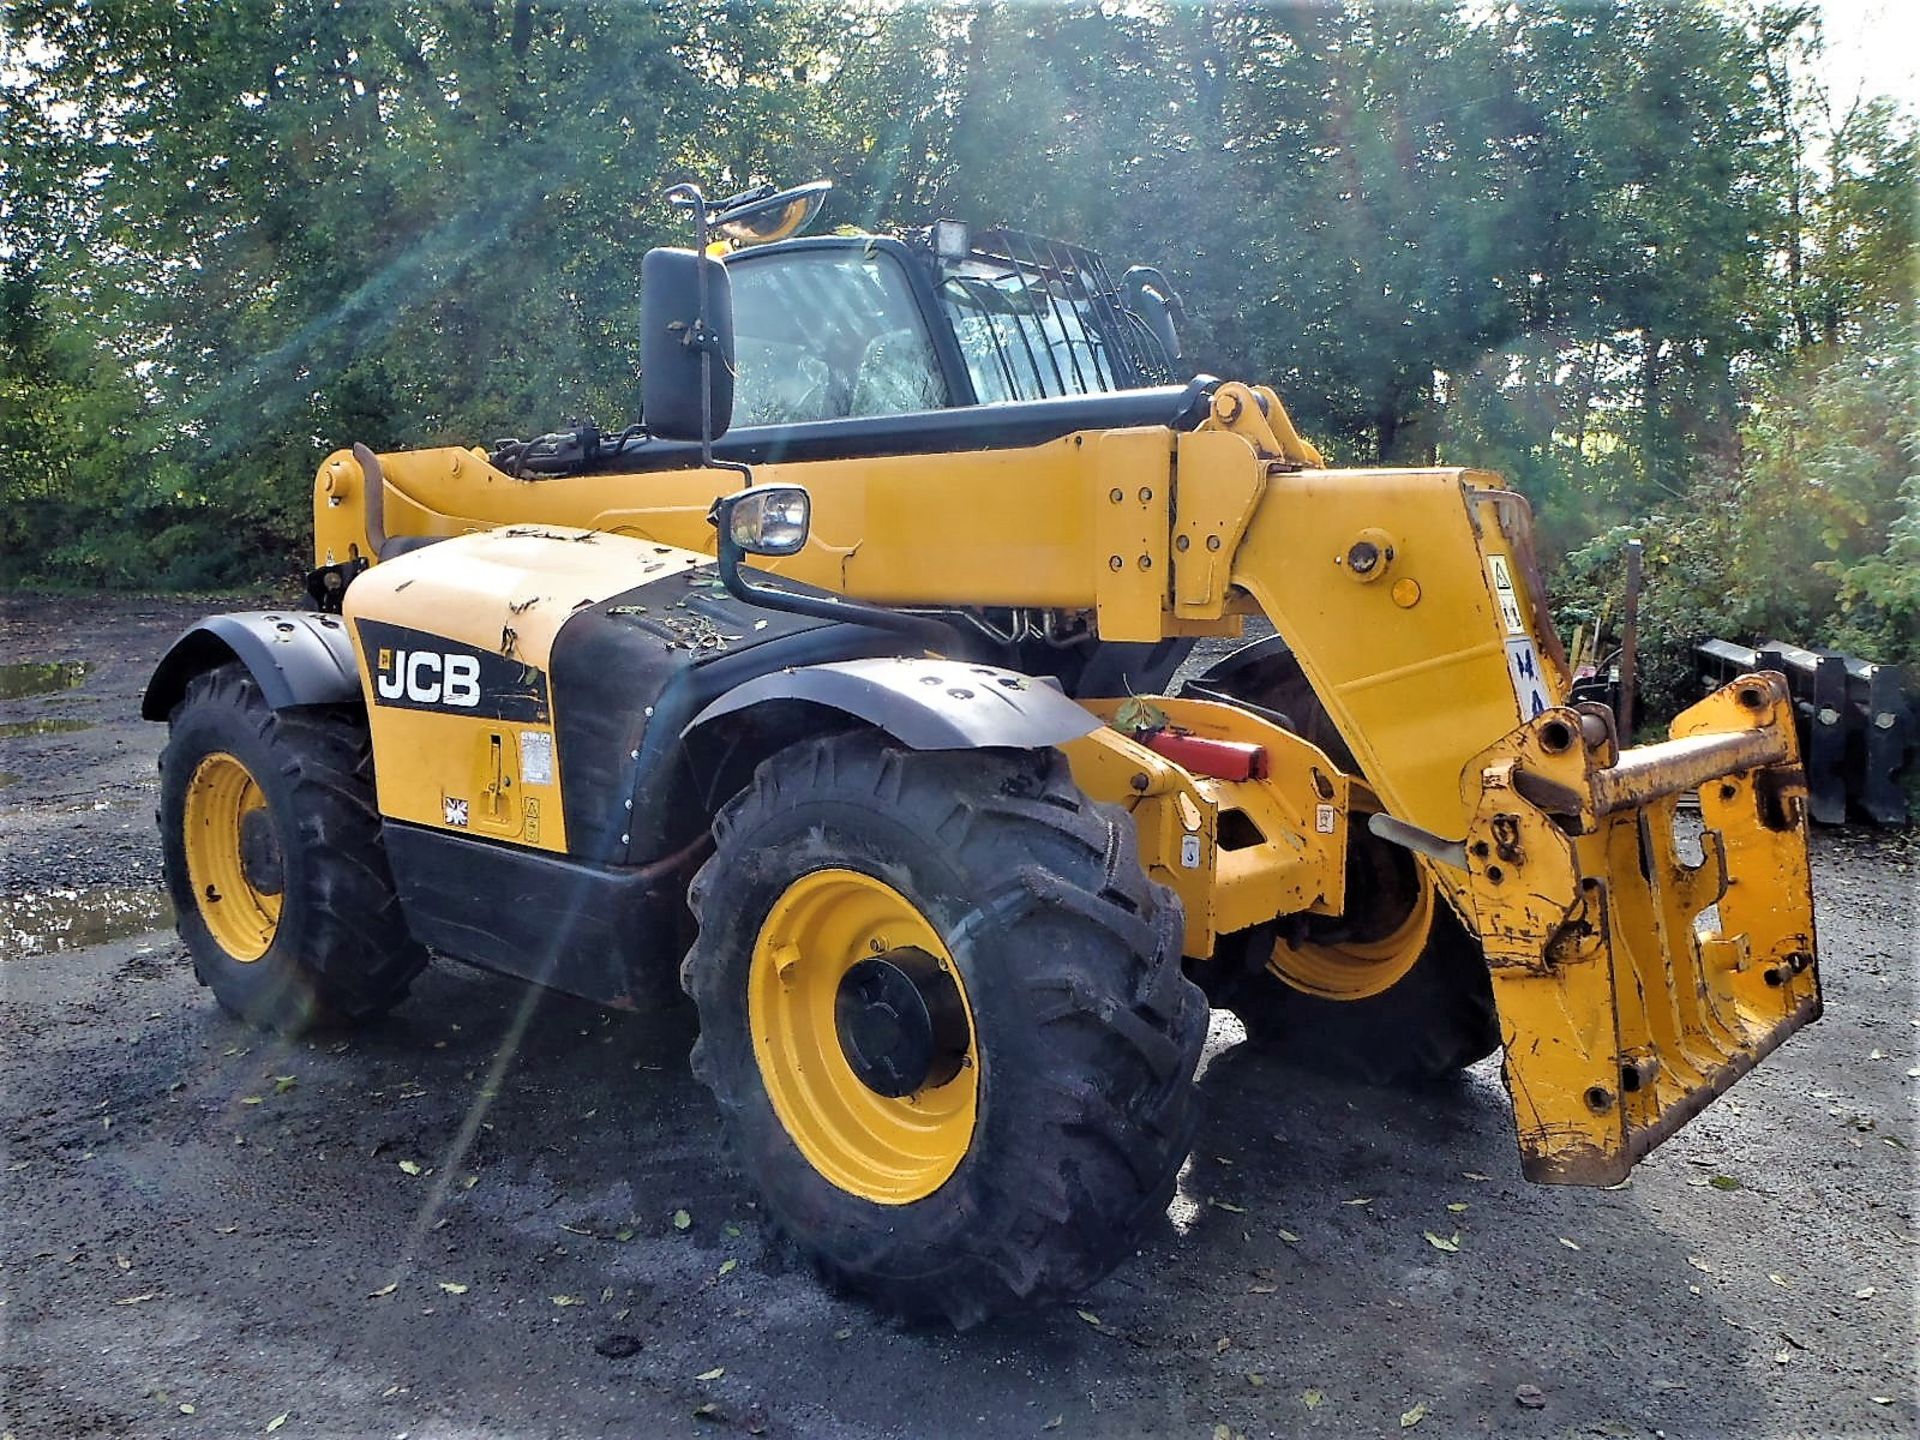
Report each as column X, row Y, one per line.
column 828, row 335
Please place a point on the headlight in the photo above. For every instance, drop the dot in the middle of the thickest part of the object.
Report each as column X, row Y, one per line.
column 768, row 519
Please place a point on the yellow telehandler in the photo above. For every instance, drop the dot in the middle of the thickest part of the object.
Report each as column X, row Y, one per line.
column 836, row 690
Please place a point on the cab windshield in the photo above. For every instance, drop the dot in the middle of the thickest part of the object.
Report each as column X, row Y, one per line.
column 828, row 335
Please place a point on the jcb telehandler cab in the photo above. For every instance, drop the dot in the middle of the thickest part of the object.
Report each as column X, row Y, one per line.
column 902, row 803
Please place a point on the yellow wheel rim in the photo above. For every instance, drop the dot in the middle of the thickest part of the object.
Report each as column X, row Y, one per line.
column 220, row 796
column 891, row 1151
column 1358, row 969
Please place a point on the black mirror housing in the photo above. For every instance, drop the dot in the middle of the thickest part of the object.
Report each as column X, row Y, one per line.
column 673, row 344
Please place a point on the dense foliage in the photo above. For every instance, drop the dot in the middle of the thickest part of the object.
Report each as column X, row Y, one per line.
column 1623, row 252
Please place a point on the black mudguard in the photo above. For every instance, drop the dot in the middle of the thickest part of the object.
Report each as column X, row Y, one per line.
column 925, row 704
column 296, row 657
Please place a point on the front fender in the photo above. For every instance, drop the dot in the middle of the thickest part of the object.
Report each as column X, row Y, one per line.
column 924, row 704
column 296, row 658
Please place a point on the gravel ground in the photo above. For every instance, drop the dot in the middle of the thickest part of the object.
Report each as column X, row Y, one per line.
column 466, row 1220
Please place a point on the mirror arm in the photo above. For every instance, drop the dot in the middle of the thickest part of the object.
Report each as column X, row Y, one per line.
column 734, row 573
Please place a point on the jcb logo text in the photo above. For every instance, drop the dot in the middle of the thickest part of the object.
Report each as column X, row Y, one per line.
column 427, row 678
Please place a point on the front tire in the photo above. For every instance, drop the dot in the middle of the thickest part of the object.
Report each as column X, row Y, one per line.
column 1396, row 991
column 1430, row 1024
column 270, row 843
column 942, row 1011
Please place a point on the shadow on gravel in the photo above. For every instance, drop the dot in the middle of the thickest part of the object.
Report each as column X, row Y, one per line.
column 1299, row 1283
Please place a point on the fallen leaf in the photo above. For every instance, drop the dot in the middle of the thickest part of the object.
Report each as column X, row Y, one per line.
column 623, row 1234
column 1865, row 1292
column 453, row 1287
column 1571, row 1245
column 1088, row 1316
column 1781, row 1356
column 708, row 1411
column 277, row 1421
column 251, row 1100
column 1476, row 1175
column 1697, row 1263
column 1137, row 716
column 469, row 1182
column 384, row 1291
column 727, row 1267
column 1781, row 1281
column 846, row 1334
column 566, row 1300
column 136, row 1299
column 1458, row 1206
column 682, row 1220
column 1440, row 1244
column 1311, row 1399
column 1876, row 1055
column 284, row 1083
column 730, row 1230
column 1054, row 1423
column 1413, row 1417
column 714, row 1374
column 1263, row 1289
column 1230, row 1209
column 1881, row 1399
column 1359, row 1200
column 1222, row 1432
column 1256, row 1379
column 1724, row 1182
column 412, row 1167
column 187, row 1409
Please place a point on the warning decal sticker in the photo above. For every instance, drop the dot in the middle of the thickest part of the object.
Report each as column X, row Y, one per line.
column 1504, row 593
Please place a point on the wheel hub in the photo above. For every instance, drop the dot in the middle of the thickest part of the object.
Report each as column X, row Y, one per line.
column 902, row 1022
column 260, row 859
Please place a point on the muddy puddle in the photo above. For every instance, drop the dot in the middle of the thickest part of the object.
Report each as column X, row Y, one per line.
column 46, row 725
column 40, row 677
column 46, row 921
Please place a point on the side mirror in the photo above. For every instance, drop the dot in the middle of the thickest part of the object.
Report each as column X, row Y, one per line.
column 1151, row 298
column 680, row 397
column 763, row 520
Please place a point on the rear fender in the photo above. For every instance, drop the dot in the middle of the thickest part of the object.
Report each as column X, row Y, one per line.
column 296, row 658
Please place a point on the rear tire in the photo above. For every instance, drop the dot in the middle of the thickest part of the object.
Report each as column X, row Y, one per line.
column 1035, row 1164
column 270, row 843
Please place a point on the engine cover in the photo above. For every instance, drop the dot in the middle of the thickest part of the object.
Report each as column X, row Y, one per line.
column 511, row 677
